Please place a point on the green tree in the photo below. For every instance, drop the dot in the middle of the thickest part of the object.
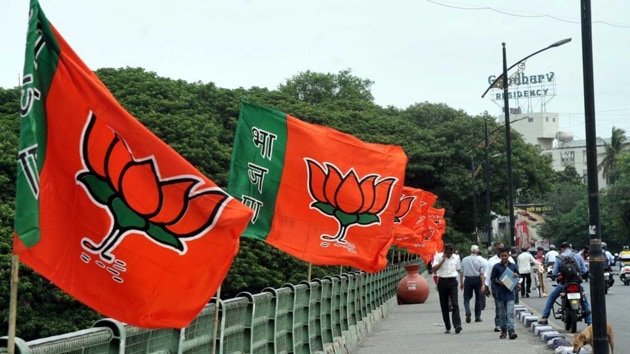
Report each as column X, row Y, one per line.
column 314, row 88
column 617, row 203
column 618, row 143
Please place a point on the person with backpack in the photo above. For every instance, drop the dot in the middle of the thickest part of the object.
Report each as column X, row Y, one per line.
column 568, row 267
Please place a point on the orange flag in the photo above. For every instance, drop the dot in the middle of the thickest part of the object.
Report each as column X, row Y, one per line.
column 407, row 215
column 320, row 195
column 106, row 210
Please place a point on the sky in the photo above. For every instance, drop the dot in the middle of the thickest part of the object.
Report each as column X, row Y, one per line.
column 413, row 50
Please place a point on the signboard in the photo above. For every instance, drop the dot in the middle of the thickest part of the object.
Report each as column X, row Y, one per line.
column 521, row 85
column 528, row 218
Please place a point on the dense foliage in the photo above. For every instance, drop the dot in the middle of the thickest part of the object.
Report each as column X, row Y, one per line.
column 198, row 120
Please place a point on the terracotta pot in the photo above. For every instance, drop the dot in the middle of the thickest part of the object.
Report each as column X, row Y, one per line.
column 413, row 288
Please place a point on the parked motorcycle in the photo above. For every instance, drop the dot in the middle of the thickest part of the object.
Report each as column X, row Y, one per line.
column 568, row 307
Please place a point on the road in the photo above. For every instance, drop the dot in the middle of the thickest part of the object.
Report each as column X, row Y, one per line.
column 616, row 310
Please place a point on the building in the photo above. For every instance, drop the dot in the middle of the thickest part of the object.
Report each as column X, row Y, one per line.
column 542, row 129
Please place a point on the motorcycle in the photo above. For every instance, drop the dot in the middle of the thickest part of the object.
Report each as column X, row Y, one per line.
column 568, row 307
column 624, row 274
column 550, row 271
column 608, row 278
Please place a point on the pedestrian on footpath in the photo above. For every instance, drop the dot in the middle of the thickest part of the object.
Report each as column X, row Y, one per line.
column 446, row 266
column 493, row 286
column 524, row 262
column 485, row 290
column 505, row 294
column 472, row 282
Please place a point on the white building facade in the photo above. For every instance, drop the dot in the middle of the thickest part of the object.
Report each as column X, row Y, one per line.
column 542, row 129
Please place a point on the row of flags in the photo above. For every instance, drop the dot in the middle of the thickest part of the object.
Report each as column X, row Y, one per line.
column 117, row 219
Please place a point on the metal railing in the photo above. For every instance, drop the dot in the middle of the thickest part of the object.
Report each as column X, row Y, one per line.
column 324, row 315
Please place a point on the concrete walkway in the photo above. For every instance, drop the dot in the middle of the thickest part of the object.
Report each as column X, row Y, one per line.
column 419, row 328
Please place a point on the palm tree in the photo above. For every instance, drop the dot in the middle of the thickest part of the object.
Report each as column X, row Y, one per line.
column 618, row 143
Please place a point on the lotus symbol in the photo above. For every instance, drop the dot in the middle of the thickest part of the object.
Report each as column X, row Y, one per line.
column 404, row 207
column 138, row 199
column 347, row 198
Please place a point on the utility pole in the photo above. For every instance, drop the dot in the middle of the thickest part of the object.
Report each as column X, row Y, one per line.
column 596, row 260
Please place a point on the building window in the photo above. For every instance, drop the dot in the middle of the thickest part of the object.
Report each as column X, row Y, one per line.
column 530, row 119
column 553, row 119
column 546, row 119
column 567, row 158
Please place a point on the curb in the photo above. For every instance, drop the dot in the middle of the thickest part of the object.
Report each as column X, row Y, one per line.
column 556, row 341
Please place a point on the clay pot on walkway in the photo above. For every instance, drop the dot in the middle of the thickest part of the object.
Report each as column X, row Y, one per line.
column 413, row 288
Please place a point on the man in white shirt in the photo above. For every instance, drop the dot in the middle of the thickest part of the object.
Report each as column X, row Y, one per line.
column 491, row 262
column 446, row 265
column 524, row 262
column 550, row 257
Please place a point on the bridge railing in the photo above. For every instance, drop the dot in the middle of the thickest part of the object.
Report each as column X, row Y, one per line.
column 326, row 315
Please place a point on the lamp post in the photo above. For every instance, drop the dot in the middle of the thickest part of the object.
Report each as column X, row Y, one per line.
column 502, row 82
column 486, row 145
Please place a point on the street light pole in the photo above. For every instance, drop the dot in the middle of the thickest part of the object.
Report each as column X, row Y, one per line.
column 502, row 81
column 475, row 217
column 508, row 147
column 487, row 152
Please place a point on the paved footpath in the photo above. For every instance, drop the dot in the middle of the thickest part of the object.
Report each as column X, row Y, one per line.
column 418, row 328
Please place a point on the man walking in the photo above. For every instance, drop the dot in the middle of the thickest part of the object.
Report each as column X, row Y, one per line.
column 446, row 267
column 505, row 293
column 524, row 262
column 485, row 291
column 472, row 281
column 498, row 246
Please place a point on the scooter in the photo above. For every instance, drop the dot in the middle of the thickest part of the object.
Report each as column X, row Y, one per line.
column 624, row 274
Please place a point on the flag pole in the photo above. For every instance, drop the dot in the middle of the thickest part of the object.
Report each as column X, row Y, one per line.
column 340, row 270
column 216, row 320
column 15, row 262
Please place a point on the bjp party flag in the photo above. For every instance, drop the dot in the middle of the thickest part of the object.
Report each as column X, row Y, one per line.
column 106, row 210
column 322, row 196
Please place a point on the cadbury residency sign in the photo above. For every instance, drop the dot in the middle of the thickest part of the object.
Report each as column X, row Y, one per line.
column 527, row 86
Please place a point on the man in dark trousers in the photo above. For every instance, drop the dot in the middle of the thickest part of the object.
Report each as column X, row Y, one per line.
column 493, row 286
column 447, row 265
column 472, row 282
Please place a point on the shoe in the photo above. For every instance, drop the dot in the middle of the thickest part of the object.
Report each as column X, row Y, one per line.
column 513, row 335
column 478, row 320
column 497, row 329
column 526, row 295
column 468, row 318
column 543, row 321
column 447, row 331
column 502, row 336
column 458, row 329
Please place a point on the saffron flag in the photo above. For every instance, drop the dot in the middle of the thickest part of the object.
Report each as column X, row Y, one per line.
column 413, row 205
column 407, row 215
column 322, row 196
column 431, row 230
column 106, row 210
